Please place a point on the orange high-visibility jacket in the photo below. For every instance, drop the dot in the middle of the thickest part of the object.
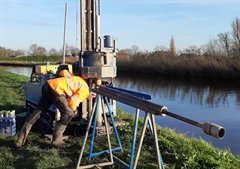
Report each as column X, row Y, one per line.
column 73, row 87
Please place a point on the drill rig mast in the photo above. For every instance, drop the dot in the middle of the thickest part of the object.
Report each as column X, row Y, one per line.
column 98, row 53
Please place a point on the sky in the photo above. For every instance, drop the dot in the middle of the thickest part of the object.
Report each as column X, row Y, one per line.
column 144, row 23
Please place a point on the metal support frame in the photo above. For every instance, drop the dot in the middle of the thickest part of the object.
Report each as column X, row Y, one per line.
column 149, row 120
column 151, row 109
column 110, row 150
column 91, row 155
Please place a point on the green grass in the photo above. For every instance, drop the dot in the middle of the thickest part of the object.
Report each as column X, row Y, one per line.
column 11, row 91
column 38, row 59
column 178, row 151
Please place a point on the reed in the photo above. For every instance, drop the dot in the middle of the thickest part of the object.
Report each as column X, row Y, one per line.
column 203, row 66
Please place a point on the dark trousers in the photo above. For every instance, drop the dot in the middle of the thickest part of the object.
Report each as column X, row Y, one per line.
column 48, row 98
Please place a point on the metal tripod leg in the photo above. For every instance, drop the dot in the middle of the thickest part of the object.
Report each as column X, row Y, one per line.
column 85, row 140
column 94, row 127
column 86, row 135
column 108, row 137
column 114, row 126
column 134, row 138
column 147, row 119
column 159, row 158
column 116, row 134
column 141, row 140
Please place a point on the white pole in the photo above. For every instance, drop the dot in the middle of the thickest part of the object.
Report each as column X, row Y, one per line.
column 98, row 27
column 76, row 24
column 65, row 30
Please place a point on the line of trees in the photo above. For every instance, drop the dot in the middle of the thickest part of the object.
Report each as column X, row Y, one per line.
column 227, row 44
column 37, row 50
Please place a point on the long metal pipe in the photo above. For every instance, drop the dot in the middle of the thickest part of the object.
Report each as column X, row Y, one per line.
column 76, row 24
column 89, row 25
column 65, row 32
column 131, row 100
column 83, row 24
column 147, row 106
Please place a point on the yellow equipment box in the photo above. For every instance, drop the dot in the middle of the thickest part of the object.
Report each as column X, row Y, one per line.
column 44, row 69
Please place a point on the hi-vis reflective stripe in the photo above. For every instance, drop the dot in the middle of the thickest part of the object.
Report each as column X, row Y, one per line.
column 72, row 84
column 76, row 100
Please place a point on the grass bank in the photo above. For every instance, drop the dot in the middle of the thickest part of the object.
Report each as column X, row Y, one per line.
column 158, row 63
column 34, row 60
column 178, row 151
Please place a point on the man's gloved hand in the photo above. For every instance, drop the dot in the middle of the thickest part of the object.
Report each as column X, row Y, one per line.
column 75, row 112
column 91, row 96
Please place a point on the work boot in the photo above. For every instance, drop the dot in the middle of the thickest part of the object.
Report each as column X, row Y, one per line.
column 22, row 137
column 57, row 139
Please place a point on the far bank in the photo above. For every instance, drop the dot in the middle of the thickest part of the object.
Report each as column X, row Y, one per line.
column 154, row 65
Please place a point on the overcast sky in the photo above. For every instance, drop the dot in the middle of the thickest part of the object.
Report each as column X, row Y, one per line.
column 145, row 23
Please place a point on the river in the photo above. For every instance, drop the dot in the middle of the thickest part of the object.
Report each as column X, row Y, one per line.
column 203, row 101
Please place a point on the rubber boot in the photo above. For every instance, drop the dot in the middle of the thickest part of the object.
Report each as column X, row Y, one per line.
column 22, row 137
column 57, row 139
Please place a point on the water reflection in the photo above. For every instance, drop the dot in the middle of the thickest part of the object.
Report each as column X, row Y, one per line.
column 207, row 93
column 202, row 101
column 26, row 71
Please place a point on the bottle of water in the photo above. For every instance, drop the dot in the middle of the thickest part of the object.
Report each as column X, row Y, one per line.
column 1, row 122
column 13, row 127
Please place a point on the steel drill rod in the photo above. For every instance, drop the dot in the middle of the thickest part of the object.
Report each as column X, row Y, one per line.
column 147, row 106
column 131, row 100
column 142, row 104
column 123, row 100
column 192, row 122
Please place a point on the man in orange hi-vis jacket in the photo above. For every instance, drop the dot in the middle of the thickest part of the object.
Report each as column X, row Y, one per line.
column 66, row 92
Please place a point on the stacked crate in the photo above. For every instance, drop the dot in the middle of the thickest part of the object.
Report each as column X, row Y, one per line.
column 7, row 122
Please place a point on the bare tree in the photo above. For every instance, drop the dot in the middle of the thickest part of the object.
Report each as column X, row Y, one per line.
column 135, row 49
column 67, row 52
column 224, row 39
column 236, row 35
column 53, row 52
column 73, row 51
column 172, row 47
column 192, row 51
column 41, row 51
column 3, row 51
column 212, row 48
column 35, row 50
column 161, row 48
column 19, row 52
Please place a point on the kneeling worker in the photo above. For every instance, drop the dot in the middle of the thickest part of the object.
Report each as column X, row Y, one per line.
column 66, row 93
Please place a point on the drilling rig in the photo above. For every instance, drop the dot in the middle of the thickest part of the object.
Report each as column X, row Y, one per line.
column 97, row 59
column 97, row 64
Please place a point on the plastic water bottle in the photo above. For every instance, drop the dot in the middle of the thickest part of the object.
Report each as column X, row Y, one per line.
column 13, row 127
column 1, row 122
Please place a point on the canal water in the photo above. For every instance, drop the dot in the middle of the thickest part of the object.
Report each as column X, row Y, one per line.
column 203, row 101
